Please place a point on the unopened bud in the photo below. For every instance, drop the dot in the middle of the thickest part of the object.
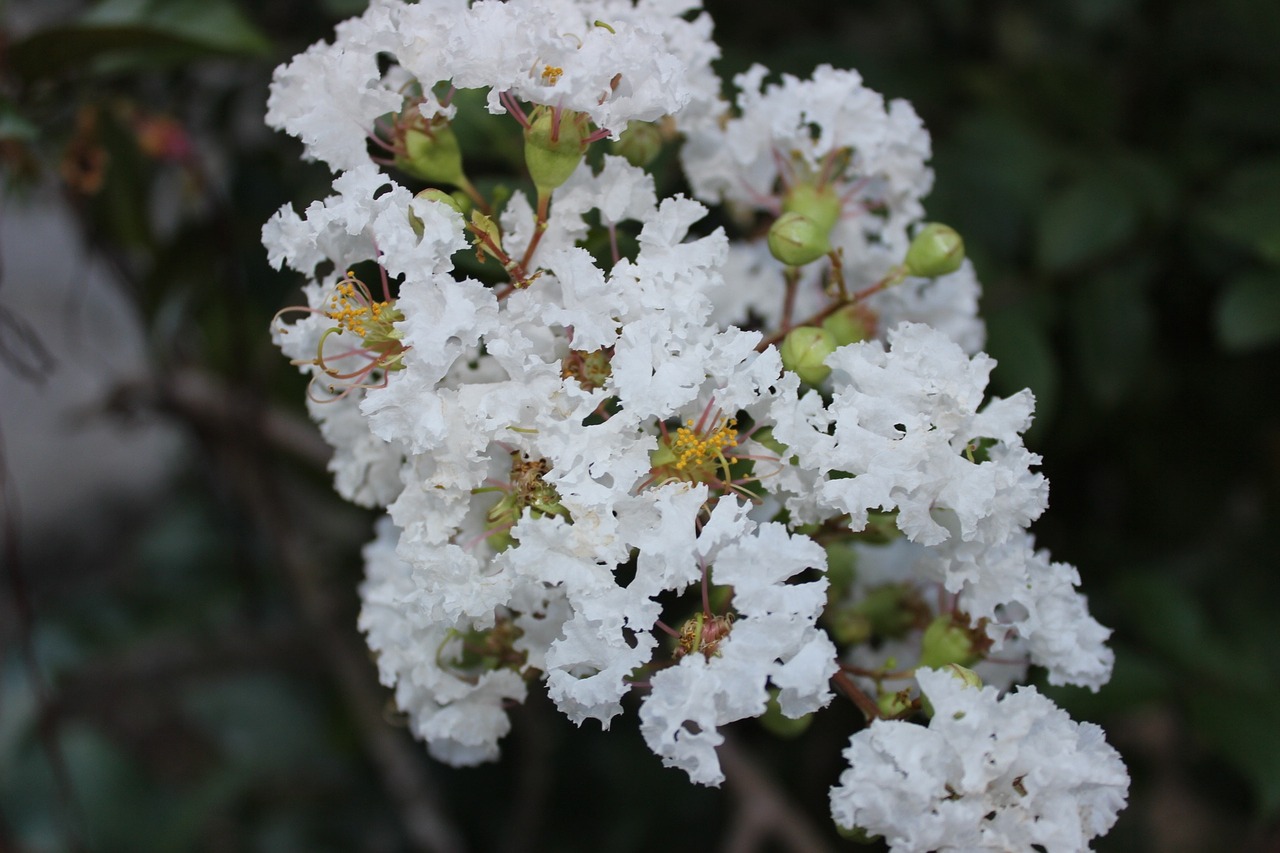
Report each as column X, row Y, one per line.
column 936, row 250
column 804, row 350
column 849, row 325
column 945, row 643
column 796, row 239
column 553, row 147
column 640, row 143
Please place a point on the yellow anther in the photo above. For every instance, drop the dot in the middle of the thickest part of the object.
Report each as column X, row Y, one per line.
column 551, row 74
column 693, row 449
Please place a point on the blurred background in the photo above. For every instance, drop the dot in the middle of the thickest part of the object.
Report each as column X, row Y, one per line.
column 179, row 664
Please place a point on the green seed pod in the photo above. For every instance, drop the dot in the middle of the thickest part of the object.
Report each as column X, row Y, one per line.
column 432, row 154
column 796, row 239
column 945, row 643
column 640, row 143
column 804, row 350
column 936, row 250
column 849, row 325
column 551, row 151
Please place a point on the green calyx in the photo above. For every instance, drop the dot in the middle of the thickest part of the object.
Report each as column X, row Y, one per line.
column 937, row 250
column 804, row 350
column 554, row 144
column 430, row 151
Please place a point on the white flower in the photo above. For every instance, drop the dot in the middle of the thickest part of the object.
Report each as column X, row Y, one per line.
column 773, row 641
column 897, row 433
column 987, row 773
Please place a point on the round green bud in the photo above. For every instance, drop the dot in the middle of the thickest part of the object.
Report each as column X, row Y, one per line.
column 945, row 643
column 849, row 325
column 936, row 250
column 796, row 240
column 432, row 153
column 821, row 204
column 803, row 351
column 553, row 150
column 640, row 143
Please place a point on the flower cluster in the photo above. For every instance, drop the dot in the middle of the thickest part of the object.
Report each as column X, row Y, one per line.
column 716, row 476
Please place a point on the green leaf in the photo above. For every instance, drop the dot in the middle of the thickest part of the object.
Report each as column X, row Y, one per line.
column 1083, row 222
column 1248, row 313
column 155, row 31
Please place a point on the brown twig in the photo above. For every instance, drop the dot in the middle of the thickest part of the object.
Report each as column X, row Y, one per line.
column 763, row 810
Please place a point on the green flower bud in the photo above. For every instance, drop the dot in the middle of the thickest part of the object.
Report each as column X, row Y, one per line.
column 778, row 723
column 945, row 642
column 551, row 151
column 821, row 204
column 640, row 143
column 796, row 240
column 936, row 250
column 804, row 350
column 849, row 325
column 432, row 195
column 432, row 154
column 484, row 225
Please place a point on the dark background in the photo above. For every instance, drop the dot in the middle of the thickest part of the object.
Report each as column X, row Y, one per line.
column 179, row 666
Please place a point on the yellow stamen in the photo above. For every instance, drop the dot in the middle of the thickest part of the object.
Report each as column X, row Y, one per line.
column 551, row 75
column 693, row 450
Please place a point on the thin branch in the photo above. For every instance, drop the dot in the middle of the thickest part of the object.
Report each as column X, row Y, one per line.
column 763, row 812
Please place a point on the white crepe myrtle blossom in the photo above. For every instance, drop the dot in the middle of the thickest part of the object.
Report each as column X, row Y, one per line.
column 987, row 773
column 608, row 468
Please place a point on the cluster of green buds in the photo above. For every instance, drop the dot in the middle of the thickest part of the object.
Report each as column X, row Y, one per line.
column 802, row 234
